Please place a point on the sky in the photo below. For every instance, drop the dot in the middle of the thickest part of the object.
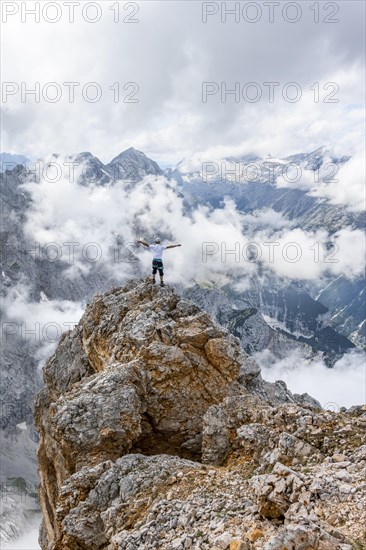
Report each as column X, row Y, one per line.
column 184, row 80
column 171, row 66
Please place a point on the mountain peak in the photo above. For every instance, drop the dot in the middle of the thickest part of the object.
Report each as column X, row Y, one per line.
column 131, row 152
column 85, row 155
column 133, row 165
column 145, row 392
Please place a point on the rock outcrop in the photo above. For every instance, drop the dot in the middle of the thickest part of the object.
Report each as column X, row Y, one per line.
column 157, row 431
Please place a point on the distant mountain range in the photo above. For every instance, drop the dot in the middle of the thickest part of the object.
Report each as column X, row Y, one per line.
column 342, row 300
column 8, row 161
column 328, row 319
column 278, row 315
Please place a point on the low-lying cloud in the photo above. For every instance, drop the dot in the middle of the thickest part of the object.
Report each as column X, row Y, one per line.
column 340, row 184
column 29, row 540
column 343, row 385
column 39, row 323
column 216, row 242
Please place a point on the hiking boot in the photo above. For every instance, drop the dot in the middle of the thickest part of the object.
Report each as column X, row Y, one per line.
column 153, row 281
column 162, row 284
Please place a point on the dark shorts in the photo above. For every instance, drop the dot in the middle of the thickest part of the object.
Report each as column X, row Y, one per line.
column 157, row 265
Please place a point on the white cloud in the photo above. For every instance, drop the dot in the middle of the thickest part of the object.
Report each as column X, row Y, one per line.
column 28, row 541
column 343, row 385
column 41, row 323
column 215, row 242
column 303, row 255
column 65, row 212
column 348, row 185
column 339, row 184
column 350, row 253
column 267, row 218
column 169, row 53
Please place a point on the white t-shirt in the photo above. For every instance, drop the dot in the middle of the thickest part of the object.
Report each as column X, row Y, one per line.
column 157, row 250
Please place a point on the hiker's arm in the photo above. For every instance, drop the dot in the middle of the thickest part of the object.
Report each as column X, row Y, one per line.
column 144, row 244
column 172, row 246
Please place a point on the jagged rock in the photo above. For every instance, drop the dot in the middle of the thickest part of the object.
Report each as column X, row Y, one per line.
column 141, row 369
column 276, row 491
column 114, row 495
column 246, row 422
column 289, row 449
column 146, row 375
column 253, row 439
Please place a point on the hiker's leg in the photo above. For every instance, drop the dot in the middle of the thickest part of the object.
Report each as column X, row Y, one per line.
column 161, row 273
column 154, row 270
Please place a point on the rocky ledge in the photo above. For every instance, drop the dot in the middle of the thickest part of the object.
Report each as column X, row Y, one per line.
column 157, row 431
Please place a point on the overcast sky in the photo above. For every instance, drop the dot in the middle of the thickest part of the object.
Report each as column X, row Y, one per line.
column 169, row 53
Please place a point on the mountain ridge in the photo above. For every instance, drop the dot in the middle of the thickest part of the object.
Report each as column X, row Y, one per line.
column 152, row 412
column 45, row 280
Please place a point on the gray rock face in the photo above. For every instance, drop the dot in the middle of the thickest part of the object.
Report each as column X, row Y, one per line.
column 132, row 166
column 157, row 431
column 18, row 365
column 260, row 191
column 18, row 355
column 244, row 422
column 346, row 299
column 18, row 484
column 298, row 322
column 9, row 161
column 117, row 493
column 139, row 371
column 244, row 320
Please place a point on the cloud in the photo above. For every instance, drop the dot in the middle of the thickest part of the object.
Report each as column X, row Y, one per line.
column 267, row 218
column 41, row 323
column 217, row 243
column 347, row 186
column 170, row 121
column 310, row 255
column 343, row 385
column 65, row 212
column 28, row 541
column 339, row 184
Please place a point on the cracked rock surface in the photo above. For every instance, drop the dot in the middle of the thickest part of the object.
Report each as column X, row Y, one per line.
column 157, row 431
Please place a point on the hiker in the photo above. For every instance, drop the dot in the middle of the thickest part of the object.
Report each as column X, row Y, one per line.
column 157, row 264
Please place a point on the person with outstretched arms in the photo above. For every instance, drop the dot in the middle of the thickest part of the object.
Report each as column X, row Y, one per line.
column 157, row 263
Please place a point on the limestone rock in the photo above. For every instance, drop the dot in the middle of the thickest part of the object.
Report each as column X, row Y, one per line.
column 140, row 370
column 158, row 432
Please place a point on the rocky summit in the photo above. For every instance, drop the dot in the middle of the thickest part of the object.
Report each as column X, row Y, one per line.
column 157, row 431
